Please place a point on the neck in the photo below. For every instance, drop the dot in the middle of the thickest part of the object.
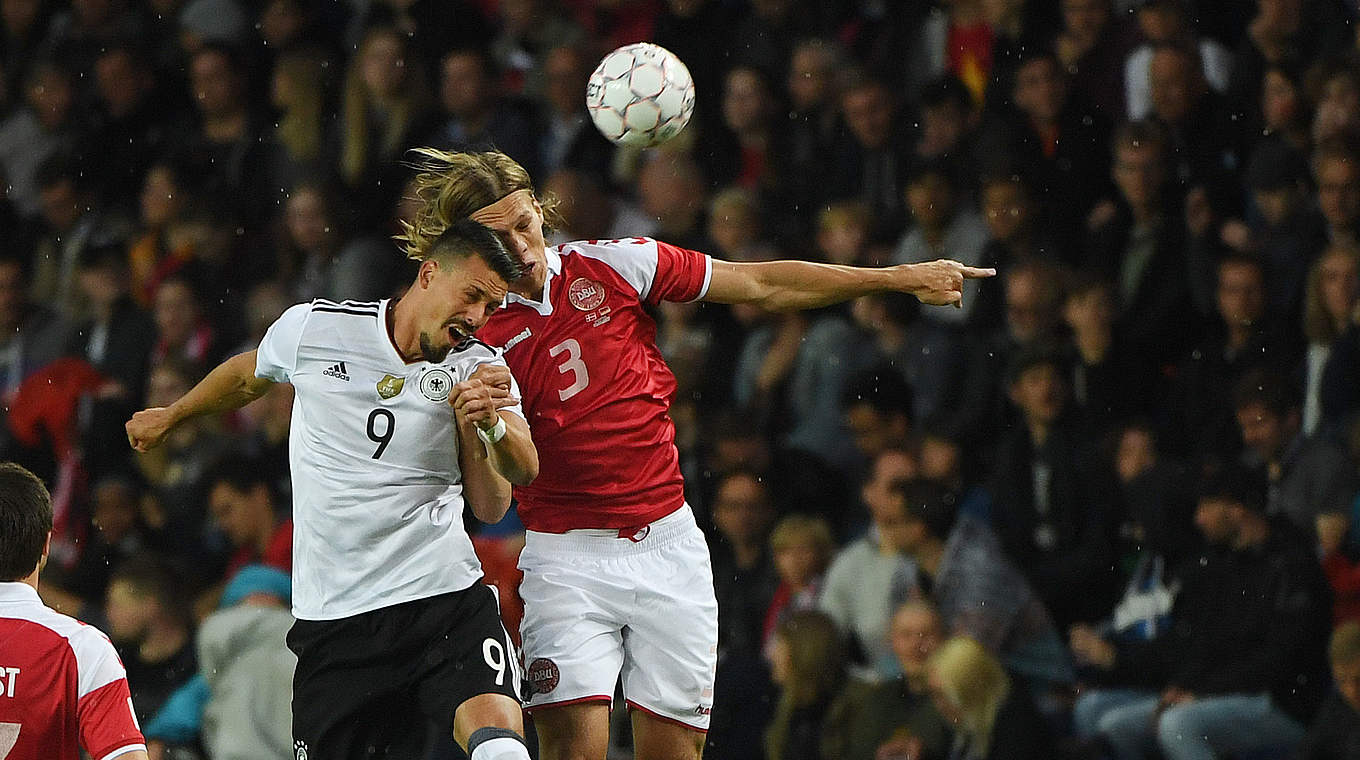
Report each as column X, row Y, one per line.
column 1093, row 344
column 1238, row 335
column 929, row 556
column 1143, row 214
column 262, row 540
column 402, row 329
column 1038, row 432
column 162, row 642
column 747, row 554
column 225, row 127
column 32, row 578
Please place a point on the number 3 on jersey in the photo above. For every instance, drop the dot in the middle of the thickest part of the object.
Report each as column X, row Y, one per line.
column 573, row 364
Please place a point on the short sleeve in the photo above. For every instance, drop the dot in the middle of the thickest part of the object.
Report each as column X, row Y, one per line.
column 108, row 726
column 276, row 358
column 681, row 274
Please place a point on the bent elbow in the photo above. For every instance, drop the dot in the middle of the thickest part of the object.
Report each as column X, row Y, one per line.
column 527, row 472
column 493, row 512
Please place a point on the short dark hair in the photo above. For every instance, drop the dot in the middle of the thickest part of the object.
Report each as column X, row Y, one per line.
column 946, row 90
column 25, row 521
column 1234, row 483
column 465, row 238
column 930, row 503
column 881, row 387
column 1034, row 354
column 150, row 575
column 242, row 473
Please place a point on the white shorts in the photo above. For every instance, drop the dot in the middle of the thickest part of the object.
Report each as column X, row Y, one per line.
column 597, row 607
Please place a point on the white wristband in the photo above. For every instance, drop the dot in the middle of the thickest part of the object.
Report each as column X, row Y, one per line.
column 496, row 432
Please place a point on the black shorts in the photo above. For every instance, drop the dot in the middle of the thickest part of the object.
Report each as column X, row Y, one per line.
column 371, row 685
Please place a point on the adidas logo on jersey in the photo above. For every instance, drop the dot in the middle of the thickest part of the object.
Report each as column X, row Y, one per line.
column 337, row 371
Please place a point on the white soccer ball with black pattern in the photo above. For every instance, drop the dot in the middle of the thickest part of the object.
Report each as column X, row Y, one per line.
column 640, row 95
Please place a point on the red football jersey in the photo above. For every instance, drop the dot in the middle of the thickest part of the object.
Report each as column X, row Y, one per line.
column 595, row 389
column 62, row 686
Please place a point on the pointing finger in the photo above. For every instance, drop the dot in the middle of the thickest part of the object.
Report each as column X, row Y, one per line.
column 974, row 273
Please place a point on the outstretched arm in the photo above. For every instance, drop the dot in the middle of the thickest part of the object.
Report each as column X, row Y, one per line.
column 797, row 285
column 231, row 385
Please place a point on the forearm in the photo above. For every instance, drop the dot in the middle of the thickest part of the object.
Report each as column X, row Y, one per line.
column 487, row 493
column 230, row 385
column 798, row 285
column 514, row 456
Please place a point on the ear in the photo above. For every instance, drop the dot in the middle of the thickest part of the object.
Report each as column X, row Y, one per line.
column 428, row 267
column 47, row 550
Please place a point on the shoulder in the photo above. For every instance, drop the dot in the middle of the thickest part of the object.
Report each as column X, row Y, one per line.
column 474, row 350
column 344, row 308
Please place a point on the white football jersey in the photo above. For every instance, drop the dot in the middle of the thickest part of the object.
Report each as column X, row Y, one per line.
column 377, row 490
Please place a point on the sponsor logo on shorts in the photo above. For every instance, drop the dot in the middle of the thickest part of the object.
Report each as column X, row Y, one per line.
column 300, row 750
column 543, row 676
column 703, row 710
column 585, row 295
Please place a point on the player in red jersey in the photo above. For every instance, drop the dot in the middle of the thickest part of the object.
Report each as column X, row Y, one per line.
column 62, row 687
column 617, row 578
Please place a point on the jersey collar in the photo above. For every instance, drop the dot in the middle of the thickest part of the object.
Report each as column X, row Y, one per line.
column 18, row 591
column 544, row 305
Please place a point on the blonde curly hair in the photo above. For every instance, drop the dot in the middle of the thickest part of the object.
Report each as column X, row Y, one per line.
column 451, row 186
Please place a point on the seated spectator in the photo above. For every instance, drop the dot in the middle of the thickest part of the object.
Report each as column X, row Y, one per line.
column 802, row 547
column 1336, row 174
column 476, row 116
column 1308, row 476
column 943, row 225
column 242, row 502
column 993, row 718
column 1165, row 22
column 808, row 663
column 873, row 162
column 857, row 593
column 149, row 622
column 1332, row 325
column 1244, row 337
column 184, row 331
column 1010, row 209
column 1241, row 668
column 1335, row 731
column 877, row 405
column 1159, row 503
column 869, row 720
column 568, row 138
column 239, row 705
column 1055, row 503
column 1109, row 381
column 1340, row 564
column 744, row 577
column 31, row 336
column 158, row 251
column 323, row 259
column 42, row 128
column 1092, row 45
column 929, row 361
column 1285, row 107
column 961, row 568
column 589, row 211
column 118, row 533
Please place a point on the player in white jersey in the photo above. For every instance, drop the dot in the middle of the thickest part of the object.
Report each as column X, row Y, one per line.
column 389, row 440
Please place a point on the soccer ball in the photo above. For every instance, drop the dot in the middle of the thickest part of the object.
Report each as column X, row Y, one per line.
column 640, row 95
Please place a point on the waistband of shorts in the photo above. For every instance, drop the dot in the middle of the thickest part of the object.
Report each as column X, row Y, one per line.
column 610, row 542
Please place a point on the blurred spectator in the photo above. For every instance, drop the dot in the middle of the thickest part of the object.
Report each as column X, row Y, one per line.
column 878, row 408
column 1329, row 317
column 23, row 28
column 1158, row 500
column 118, row 534
column 808, row 663
column 31, row 336
column 300, row 89
column 384, row 108
column 323, row 258
column 1057, row 141
column 149, row 623
column 133, row 124
column 35, row 132
column 243, row 505
column 949, row 119
column 239, row 703
column 858, row 589
column 744, row 576
column 873, row 164
column 1207, row 135
column 75, row 224
column 476, row 116
column 590, row 212
column 568, row 139
column 961, row 568
column 432, row 27
column 162, row 247
column 1241, row 667
column 749, row 152
column 1284, row 31
column 1167, row 23
column 1092, row 46
column 182, row 328
column 1308, row 476
column 1017, row 235
column 1056, row 507
column 843, row 235
column 1340, row 564
column 1138, row 245
column 229, row 146
column 116, row 341
column 670, row 190
column 1109, row 382
column 1336, row 729
column 942, row 225
column 736, row 225
column 813, row 126
column 869, row 720
column 528, row 29
column 1285, row 108
column 1244, row 337
column 1336, row 172
column 1337, row 114
column 993, row 717
column 801, row 547
column 927, row 360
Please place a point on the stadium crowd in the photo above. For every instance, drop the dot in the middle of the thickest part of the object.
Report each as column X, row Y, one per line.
column 1105, row 509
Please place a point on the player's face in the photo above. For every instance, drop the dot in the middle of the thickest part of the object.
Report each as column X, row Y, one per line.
column 519, row 217
column 465, row 293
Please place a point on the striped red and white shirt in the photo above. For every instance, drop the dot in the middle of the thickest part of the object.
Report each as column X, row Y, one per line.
column 62, row 686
